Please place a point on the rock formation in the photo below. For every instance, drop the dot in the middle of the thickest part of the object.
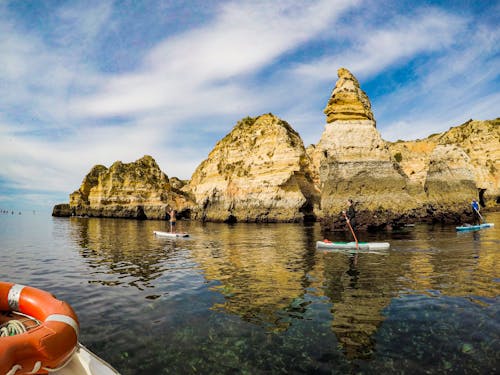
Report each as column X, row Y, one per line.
column 449, row 184
column 480, row 140
column 259, row 172
column 354, row 162
column 348, row 101
column 130, row 190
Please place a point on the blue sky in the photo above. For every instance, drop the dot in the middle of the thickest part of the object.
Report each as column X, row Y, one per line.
column 92, row 82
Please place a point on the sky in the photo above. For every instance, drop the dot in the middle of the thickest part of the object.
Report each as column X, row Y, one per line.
column 92, row 82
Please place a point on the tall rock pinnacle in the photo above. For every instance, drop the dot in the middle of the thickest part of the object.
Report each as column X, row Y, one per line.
column 348, row 101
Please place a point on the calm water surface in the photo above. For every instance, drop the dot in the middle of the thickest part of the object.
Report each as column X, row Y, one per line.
column 256, row 299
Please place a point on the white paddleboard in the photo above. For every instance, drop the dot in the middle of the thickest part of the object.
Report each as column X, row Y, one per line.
column 170, row 234
column 352, row 245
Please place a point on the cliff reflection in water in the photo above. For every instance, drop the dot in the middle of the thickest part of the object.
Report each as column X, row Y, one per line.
column 262, row 271
column 272, row 275
column 116, row 247
column 359, row 287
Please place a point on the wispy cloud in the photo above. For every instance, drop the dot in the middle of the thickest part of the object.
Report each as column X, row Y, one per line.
column 448, row 90
column 374, row 48
column 196, row 66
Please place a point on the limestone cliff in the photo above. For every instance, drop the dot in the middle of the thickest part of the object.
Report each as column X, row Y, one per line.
column 413, row 157
column 354, row 162
column 348, row 101
column 449, row 182
column 132, row 190
column 259, row 172
column 479, row 140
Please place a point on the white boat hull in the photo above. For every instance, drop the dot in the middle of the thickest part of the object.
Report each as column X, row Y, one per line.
column 84, row 362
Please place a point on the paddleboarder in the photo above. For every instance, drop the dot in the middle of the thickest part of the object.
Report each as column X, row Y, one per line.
column 350, row 214
column 173, row 220
column 475, row 212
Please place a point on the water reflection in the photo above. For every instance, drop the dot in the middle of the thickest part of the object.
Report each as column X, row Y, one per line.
column 261, row 271
column 355, row 286
column 119, row 251
column 272, row 276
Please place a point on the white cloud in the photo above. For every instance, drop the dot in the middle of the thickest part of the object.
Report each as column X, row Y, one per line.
column 372, row 49
column 242, row 39
column 448, row 90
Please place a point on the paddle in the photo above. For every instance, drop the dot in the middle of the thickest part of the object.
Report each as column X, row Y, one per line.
column 482, row 218
column 352, row 231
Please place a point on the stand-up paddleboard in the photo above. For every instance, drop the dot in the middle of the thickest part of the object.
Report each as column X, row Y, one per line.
column 169, row 234
column 475, row 227
column 352, row 245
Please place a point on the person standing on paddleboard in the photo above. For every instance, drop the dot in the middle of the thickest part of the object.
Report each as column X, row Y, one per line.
column 173, row 220
column 475, row 212
column 350, row 214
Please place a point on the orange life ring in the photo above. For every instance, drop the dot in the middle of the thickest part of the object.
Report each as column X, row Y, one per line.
column 46, row 347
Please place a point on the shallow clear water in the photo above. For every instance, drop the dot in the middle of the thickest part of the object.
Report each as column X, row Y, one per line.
column 255, row 299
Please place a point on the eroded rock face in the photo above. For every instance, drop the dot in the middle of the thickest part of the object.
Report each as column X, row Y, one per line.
column 61, row 210
column 259, row 172
column 449, row 184
column 449, row 179
column 413, row 157
column 347, row 101
column 354, row 162
column 479, row 140
column 392, row 183
column 131, row 190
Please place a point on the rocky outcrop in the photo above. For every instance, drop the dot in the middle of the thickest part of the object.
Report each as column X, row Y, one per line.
column 449, row 184
column 480, row 143
column 354, row 162
column 61, row 210
column 130, row 190
column 259, row 172
column 393, row 183
column 347, row 101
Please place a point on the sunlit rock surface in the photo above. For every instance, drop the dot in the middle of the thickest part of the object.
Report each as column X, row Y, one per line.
column 354, row 162
column 130, row 190
column 449, row 184
column 480, row 142
column 347, row 101
column 259, row 172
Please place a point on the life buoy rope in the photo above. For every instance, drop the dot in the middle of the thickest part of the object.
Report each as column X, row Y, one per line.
column 48, row 346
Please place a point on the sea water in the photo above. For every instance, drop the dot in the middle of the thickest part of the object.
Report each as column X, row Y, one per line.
column 260, row 298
